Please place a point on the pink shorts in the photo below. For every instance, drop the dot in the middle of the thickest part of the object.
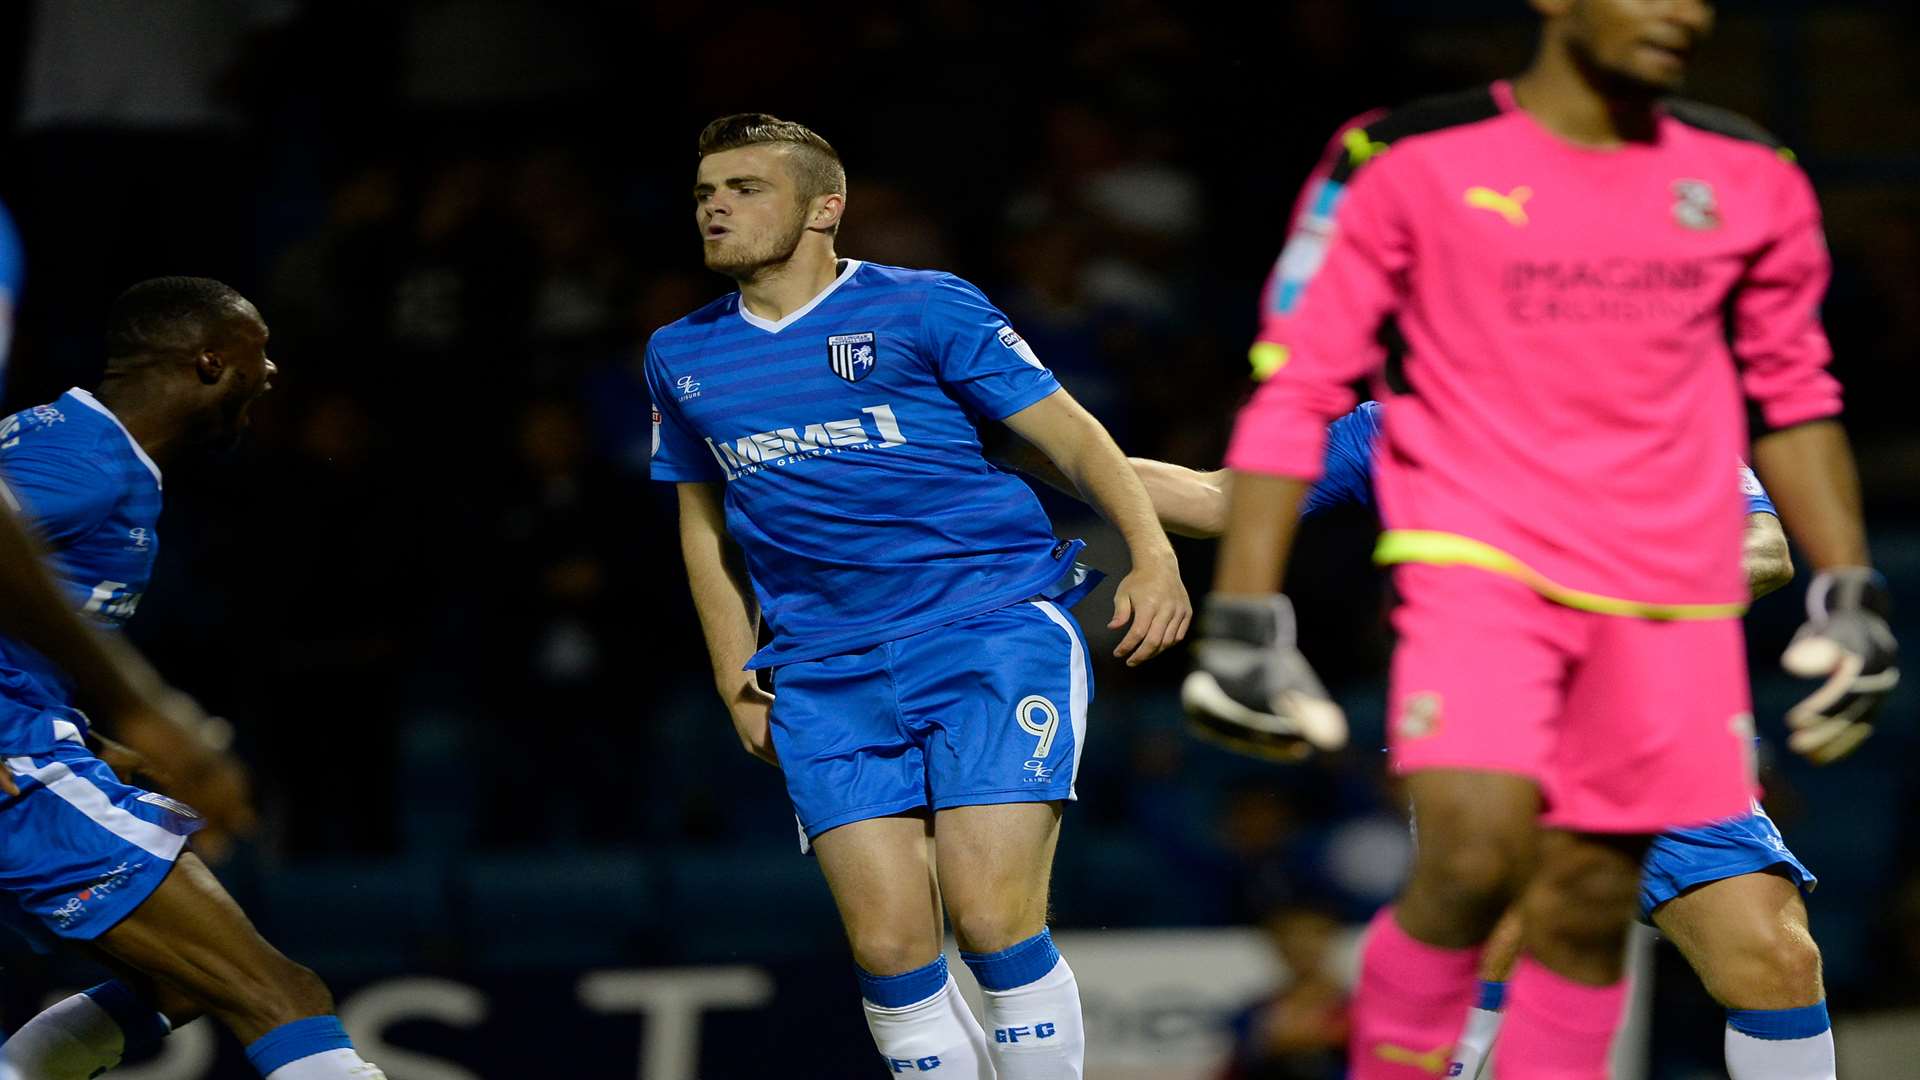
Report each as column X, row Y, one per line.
column 1629, row 725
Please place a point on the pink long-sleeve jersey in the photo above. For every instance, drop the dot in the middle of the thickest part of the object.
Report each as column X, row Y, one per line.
column 1582, row 333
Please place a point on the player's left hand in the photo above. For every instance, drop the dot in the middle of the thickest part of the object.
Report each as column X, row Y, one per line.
column 1154, row 600
column 6, row 780
column 1845, row 640
column 752, row 711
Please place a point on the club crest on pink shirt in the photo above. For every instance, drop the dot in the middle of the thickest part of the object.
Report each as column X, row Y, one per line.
column 1419, row 716
column 1694, row 205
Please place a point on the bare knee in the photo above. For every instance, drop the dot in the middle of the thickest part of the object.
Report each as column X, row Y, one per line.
column 1581, row 904
column 1461, row 885
column 991, row 927
column 1768, row 966
column 1474, row 852
column 1585, row 903
column 884, row 950
column 1481, row 871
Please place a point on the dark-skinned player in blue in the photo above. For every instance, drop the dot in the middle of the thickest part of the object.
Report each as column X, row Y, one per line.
column 86, row 859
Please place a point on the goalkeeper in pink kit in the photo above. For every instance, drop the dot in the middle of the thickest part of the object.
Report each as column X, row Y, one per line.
column 1594, row 285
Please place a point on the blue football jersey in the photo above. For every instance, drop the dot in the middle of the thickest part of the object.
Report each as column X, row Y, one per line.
column 12, row 272
column 93, row 496
column 1347, row 479
column 845, row 435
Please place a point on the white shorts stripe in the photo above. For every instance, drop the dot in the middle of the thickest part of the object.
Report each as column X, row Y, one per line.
column 79, row 793
column 1076, row 687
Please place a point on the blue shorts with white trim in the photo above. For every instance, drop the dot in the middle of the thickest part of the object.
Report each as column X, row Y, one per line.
column 79, row 850
column 1686, row 858
column 990, row 709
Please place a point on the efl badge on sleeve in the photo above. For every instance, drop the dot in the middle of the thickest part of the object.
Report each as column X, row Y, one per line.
column 852, row 355
column 1012, row 340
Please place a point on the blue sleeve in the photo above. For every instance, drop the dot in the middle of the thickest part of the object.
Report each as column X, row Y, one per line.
column 12, row 274
column 1758, row 501
column 62, row 496
column 1346, row 477
column 975, row 353
column 678, row 455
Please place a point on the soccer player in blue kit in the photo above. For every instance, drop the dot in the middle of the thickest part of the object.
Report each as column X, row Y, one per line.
column 85, row 858
column 1728, row 895
column 930, row 688
column 117, row 684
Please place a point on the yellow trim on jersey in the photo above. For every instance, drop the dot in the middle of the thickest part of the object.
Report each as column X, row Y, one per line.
column 1360, row 147
column 1267, row 357
column 1451, row 549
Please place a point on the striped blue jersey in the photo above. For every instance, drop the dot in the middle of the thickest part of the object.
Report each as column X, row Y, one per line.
column 93, row 497
column 1347, row 479
column 12, row 273
column 845, row 435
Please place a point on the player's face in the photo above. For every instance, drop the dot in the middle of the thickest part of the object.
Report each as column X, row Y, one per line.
column 1639, row 46
column 748, row 209
column 248, row 374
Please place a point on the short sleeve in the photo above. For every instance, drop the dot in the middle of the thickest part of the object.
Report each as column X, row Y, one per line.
column 63, row 498
column 677, row 455
column 979, row 358
column 1758, row 501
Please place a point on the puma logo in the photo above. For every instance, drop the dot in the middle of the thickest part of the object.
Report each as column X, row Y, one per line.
column 1511, row 206
column 1434, row 1061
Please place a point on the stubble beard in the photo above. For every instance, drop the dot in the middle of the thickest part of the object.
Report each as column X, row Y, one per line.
column 748, row 265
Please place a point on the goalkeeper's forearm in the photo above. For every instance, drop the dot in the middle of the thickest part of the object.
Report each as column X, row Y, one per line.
column 1809, row 471
column 1262, row 513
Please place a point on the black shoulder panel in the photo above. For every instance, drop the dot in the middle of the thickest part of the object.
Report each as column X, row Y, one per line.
column 1415, row 118
column 1719, row 121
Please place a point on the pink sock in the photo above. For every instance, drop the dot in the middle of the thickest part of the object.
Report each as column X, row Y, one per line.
column 1411, row 1004
column 1557, row 1029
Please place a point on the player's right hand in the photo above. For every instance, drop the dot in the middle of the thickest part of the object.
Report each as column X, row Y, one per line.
column 752, row 710
column 1153, row 598
column 1846, row 641
column 1251, row 689
column 189, row 747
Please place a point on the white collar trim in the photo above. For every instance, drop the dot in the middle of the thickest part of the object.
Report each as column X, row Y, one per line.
column 93, row 403
column 794, row 316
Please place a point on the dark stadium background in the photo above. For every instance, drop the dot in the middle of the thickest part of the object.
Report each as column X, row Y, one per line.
column 443, row 604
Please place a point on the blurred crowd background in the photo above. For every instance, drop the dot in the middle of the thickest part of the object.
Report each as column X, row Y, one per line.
column 443, row 604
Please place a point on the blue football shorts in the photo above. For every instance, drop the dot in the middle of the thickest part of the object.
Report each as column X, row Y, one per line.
column 991, row 709
column 1685, row 858
column 79, row 850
